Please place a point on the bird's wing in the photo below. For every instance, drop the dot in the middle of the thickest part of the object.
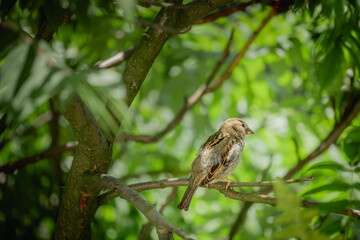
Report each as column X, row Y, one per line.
column 216, row 168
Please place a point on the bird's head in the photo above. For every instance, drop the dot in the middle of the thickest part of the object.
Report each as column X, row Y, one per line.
column 236, row 127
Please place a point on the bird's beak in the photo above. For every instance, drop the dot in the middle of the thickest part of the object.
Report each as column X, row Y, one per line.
column 249, row 131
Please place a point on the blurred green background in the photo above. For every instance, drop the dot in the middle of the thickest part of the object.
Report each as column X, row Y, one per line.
column 291, row 87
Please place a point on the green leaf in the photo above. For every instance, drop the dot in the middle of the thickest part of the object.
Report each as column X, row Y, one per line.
column 334, row 205
column 6, row 6
column 54, row 13
column 7, row 40
column 333, row 186
column 330, row 66
column 351, row 144
column 293, row 221
column 339, row 16
column 312, row 6
column 298, row 4
column 327, row 165
column 10, row 74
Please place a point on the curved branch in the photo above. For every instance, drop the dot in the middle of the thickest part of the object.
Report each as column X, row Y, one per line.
column 148, row 210
column 11, row 167
column 114, row 183
column 111, row 183
column 225, row 12
column 118, row 58
column 242, row 52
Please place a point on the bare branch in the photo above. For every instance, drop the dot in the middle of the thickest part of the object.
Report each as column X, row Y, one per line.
column 240, row 219
column 111, row 183
column 148, row 210
column 114, row 183
column 39, row 121
column 171, row 197
column 297, row 149
column 242, row 52
column 226, row 11
column 11, row 167
column 118, row 58
column 149, row 3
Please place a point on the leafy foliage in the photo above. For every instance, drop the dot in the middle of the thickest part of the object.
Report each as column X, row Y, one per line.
column 293, row 222
column 297, row 81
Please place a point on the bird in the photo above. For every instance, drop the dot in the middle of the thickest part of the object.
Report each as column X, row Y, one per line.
column 217, row 158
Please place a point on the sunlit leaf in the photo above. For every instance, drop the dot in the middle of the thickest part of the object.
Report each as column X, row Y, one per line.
column 293, row 222
column 330, row 66
column 351, row 144
column 327, row 165
column 334, row 186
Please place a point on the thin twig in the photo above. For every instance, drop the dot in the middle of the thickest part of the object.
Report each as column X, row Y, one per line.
column 321, row 222
column 11, row 167
column 240, row 219
column 55, row 135
column 171, row 197
column 242, row 52
column 118, row 58
column 297, row 149
column 226, row 11
column 173, row 182
column 149, row 3
column 39, row 121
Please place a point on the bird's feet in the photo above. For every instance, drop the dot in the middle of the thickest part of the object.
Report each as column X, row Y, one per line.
column 228, row 183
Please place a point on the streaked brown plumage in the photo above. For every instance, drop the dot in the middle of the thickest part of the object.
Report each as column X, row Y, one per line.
column 217, row 158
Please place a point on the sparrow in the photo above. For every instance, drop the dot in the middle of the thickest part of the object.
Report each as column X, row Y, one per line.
column 217, row 157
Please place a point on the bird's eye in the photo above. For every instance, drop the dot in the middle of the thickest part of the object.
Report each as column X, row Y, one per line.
column 243, row 125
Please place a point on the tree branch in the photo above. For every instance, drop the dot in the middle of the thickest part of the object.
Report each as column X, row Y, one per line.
column 149, row 3
column 148, row 210
column 11, row 167
column 118, row 58
column 110, row 183
column 242, row 52
column 114, row 183
column 223, row 12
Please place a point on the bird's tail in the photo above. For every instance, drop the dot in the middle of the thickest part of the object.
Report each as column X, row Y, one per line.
column 186, row 199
